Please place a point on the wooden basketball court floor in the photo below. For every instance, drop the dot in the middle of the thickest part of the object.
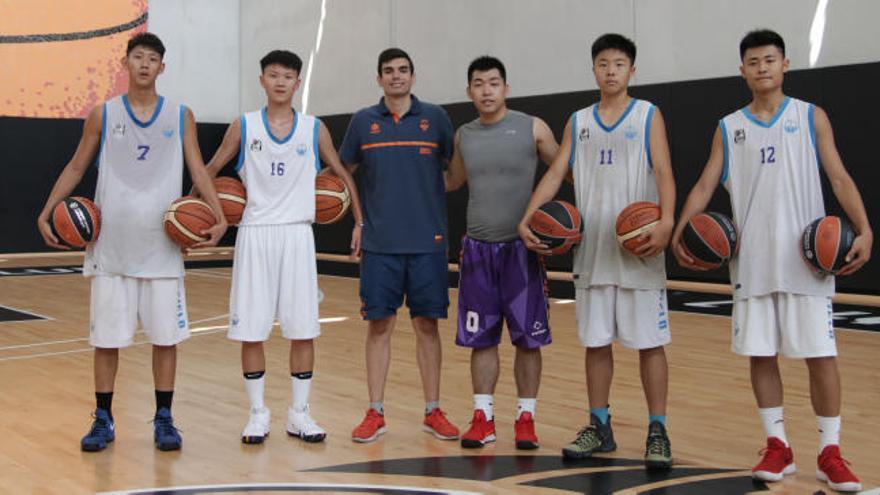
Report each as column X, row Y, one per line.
column 46, row 395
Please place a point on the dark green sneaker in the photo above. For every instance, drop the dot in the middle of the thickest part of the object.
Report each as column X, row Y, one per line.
column 658, row 451
column 595, row 437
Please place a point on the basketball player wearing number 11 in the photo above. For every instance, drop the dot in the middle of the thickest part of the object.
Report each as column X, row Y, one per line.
column 768, row 156
column 141, row 141
column 273, row 272
column 618, row 154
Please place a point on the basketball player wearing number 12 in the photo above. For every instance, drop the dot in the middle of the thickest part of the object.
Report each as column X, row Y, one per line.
column 768, row 156
column 274, row 273
column 618, row 154
column 497, row 154
column 141, row 141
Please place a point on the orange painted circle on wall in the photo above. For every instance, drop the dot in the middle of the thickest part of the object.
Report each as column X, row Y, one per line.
column 60, row 58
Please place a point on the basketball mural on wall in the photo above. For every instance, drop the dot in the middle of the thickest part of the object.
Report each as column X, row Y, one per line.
column 60, row 58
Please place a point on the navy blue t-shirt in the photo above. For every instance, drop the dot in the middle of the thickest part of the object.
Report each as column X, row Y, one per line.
column 402, row 188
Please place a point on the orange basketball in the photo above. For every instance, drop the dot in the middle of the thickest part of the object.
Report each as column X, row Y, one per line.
column 826, row 242
column 635, row 219
column 76, row 221
column 558, row 225
column 233, row 198
column 185, row 220
column 710, row 239
column 331, row 199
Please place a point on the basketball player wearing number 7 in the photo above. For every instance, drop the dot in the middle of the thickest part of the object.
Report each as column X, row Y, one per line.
column 140, row 142
column 780, row 305
column 274, row 273
column 618, row 154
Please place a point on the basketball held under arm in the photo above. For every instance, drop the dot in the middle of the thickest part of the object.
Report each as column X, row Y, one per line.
column 329, row 156
column 229, row 148
column 202, row 181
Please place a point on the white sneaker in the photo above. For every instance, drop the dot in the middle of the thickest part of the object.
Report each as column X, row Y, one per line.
column 257, row 428
column 300, row 424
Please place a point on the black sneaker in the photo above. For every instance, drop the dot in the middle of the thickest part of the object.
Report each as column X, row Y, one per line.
column 658, row 451
column 596, row 437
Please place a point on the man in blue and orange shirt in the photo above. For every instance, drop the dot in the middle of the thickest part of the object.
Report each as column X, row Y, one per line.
column 402, row 145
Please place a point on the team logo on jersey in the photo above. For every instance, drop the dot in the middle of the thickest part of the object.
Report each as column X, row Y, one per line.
column 168, row 132
column 630, row 132
column 374, row 128
column 118, row 130
column 790, row 126
column 739, row 136
column 301, row 149
column 424, row 125
column 584, row 135
column 256, row 145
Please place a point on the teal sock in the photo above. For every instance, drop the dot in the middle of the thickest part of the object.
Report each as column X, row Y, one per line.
column 659, row 419
column 601, row 413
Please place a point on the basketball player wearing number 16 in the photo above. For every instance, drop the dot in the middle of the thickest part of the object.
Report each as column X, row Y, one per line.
column 274, row 274
column 768, row 156
column 617, row 152
column 140, row 141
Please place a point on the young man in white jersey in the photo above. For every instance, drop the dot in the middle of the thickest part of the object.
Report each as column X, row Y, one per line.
column 140, row 141
column 780, row 305
column 497, row 155
column 274, row 273
column 618, row 154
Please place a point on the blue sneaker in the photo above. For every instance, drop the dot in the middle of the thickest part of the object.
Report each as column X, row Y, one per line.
column 164, row 432
column 101, row 433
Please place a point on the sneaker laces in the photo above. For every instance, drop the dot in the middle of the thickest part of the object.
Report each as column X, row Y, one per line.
column 587, row 436
column 768, row 454
column 100, row 426
column 835, row 463
column 658, row 445
column 165, row 425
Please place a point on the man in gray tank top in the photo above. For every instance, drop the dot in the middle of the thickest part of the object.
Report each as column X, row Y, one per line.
column 497, row 154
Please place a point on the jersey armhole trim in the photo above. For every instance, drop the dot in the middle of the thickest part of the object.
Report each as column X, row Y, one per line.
column 182, row 123
column 315, row 144
column 573, row 151
column 811, row 117
column 726, row 167
column 103, row 133
column 242, row 140
column 648, row 135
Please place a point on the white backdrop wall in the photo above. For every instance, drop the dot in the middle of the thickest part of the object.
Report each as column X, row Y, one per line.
column 215, row 45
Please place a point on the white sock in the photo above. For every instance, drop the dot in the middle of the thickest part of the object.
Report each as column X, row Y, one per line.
column 254, row 389
column 483, row 402
column 525, row 405
column 302, row 384
column 774, row 424
column 829, row 431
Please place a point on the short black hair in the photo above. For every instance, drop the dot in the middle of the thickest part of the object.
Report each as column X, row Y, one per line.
column 284, row 58
column 146, row 40
column 761, row 37
column 390, row 54
column 614, row 41
column 486, row 63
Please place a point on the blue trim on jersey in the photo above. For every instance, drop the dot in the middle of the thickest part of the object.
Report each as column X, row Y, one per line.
column 242, row 141
column 621, row 119
column 269, row 129
column 648, row 135
column 767, row 125
column 812, row 118
column 103, row 133
column 571, row 155
column 182, row 123
column 726, row 167
column 138, row 122
column 315, row 144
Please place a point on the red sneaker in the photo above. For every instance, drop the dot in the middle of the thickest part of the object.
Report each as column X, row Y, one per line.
column 778, row 461
column 525, row 432
column 480, row 433
column 437, row 425
column 834, row 470
column 370, row 428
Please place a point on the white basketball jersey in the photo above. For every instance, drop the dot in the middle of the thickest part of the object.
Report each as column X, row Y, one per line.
column 771, row 171
column 140, row 172
column 278, row 172
column 612, row 168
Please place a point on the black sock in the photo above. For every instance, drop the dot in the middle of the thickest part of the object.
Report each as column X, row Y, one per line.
column 302, row 375
column 163, row 399
column 104, row 400
column 254, row 375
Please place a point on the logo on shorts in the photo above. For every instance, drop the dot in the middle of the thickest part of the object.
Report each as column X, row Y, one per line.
column 256, row 145
column 424, row 125
column 301, row 149
column 538, row 328
column 739, row 136
column 790, row 126
column 374, row 128
column 438, row 239
column 234, row 320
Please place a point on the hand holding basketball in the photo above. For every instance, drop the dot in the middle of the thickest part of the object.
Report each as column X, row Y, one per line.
column 655, row 240
column 48, row 236
column 530, row 240
column 859, row 254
